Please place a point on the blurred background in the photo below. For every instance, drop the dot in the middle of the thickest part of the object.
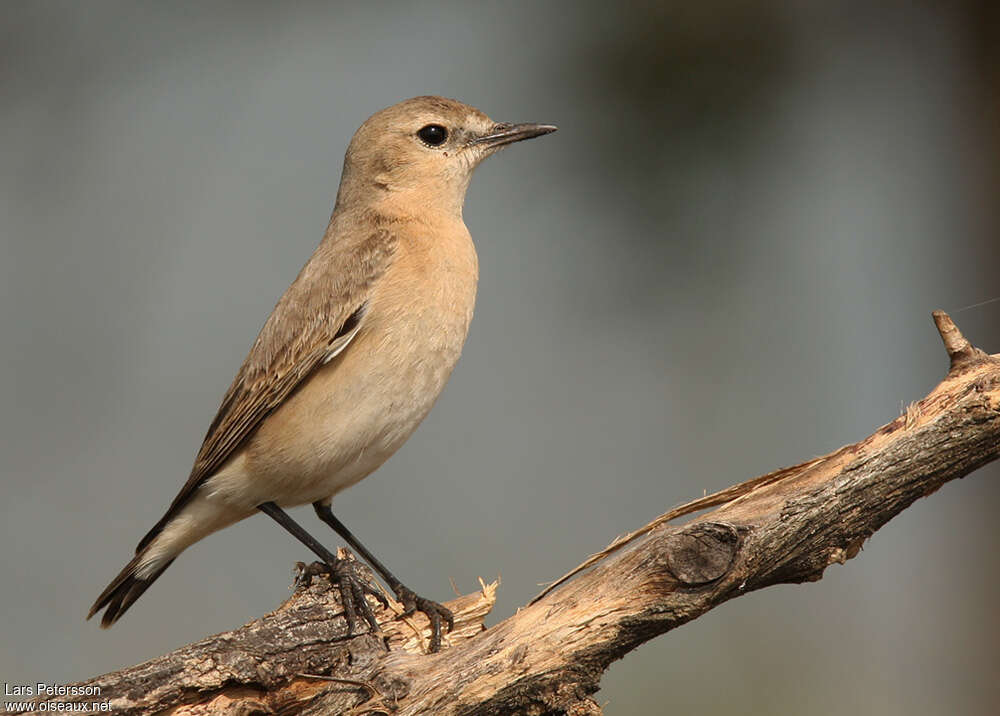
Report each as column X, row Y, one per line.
column 723, row 263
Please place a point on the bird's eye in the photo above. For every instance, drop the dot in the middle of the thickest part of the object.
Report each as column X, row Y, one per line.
column 433, row 134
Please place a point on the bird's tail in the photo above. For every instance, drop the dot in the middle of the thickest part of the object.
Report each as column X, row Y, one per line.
column 125, row 589
column 179, row 529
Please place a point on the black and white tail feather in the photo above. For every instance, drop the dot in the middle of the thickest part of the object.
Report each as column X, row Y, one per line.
column 124, row 589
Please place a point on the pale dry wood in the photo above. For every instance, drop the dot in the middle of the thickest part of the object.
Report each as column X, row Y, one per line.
column 787, row 526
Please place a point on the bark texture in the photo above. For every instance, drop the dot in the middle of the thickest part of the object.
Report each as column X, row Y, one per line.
column 548, row 658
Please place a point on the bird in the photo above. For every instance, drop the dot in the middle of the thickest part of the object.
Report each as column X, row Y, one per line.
column 351, row 359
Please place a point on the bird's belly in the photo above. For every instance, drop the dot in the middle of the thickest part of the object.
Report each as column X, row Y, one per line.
column 353, row 413
column 343, row 422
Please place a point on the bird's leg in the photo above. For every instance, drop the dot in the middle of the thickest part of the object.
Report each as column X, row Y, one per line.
column 353, row 588
column 412, row 602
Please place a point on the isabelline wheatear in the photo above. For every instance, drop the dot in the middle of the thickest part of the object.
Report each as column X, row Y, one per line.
column 352, row 357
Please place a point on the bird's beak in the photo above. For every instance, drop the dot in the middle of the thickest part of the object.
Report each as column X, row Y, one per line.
column 502, row 134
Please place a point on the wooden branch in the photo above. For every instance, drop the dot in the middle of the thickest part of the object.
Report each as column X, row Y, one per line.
column 787, row 526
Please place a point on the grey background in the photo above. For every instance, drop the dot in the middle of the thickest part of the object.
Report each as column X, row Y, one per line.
column 723, row 263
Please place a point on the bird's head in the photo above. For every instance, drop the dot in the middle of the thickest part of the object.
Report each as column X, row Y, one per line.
column 424, row 149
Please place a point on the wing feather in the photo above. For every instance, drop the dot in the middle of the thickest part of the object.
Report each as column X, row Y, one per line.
column 314, row 320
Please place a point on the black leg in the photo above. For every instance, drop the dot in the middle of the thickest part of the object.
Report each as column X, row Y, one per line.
column 352, row 588
column 411, row 601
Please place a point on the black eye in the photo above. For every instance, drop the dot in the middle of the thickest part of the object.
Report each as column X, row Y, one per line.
column 433, row 134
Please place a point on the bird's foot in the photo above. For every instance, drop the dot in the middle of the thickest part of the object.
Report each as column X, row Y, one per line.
column 437, row 613
column 354, row 590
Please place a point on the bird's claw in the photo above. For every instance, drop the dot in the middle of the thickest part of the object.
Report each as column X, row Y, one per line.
column 304, row 573
column 435, row 612
column 354, row 590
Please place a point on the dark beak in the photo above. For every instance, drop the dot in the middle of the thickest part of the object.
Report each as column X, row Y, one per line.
column 503, row 134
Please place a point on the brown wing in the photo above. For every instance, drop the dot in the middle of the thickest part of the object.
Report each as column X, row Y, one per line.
column 311, row 323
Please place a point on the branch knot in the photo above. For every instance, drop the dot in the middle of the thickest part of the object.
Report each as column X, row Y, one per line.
column 701, row 553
